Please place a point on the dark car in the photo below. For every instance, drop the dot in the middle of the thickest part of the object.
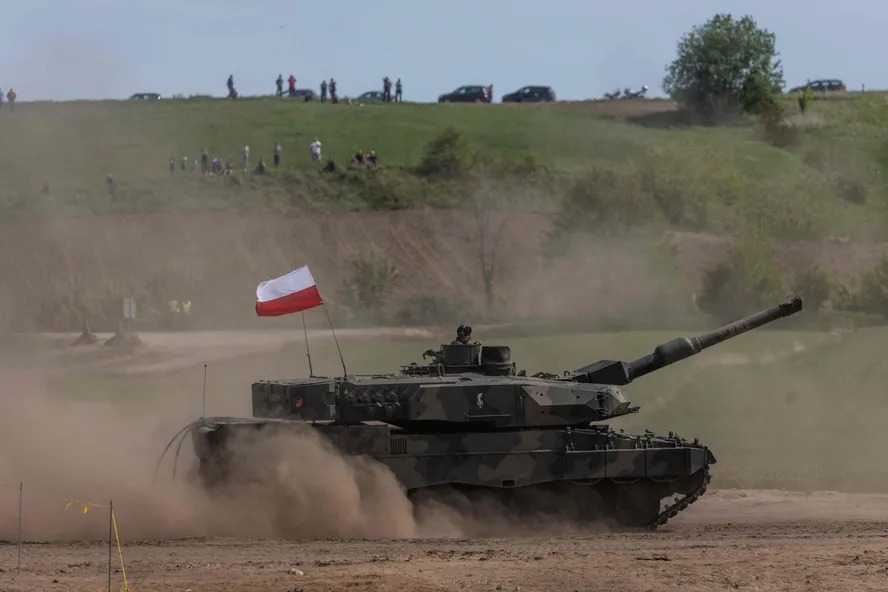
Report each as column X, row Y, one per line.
column 371, row 95
column 825, row 85
column 530, row 94
column 306, row 94
column 149, row 96
column 472, row 93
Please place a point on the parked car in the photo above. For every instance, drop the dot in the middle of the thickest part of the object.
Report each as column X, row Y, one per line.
column 306, row 94
column 824, row 85
column 371, row 95
column 530, row 94
column 472, row 93
column 149, row 96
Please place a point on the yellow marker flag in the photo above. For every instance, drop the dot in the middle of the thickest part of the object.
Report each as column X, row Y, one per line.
column 68, row 505
column 86, row 507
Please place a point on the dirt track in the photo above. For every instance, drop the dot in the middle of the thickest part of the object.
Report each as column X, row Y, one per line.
column 735, row 540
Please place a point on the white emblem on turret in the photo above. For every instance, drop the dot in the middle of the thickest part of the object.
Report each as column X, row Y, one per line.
column 480, row 401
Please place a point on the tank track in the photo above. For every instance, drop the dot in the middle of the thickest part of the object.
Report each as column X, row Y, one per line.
column 682, row 504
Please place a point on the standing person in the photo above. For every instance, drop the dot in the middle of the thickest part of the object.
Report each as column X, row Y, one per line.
column 279, row 83
column 323, row 91
column 333, row 96
column 292, row 82
column 246, row 158
column 386, row 89
column 316, row 149
column 11, row 97
column 277, row 154
column 398, row 97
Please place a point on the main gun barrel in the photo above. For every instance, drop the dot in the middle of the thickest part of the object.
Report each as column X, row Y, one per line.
column 621, row 373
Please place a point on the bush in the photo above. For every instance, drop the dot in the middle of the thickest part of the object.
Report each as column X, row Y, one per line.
column 601, row 201
column 873, row 295
column 814, row 286
column 747, row 280
column 805, row 98
column 447, row 155
column 367, row 287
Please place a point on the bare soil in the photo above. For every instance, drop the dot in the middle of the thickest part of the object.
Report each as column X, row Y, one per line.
column 730, row 540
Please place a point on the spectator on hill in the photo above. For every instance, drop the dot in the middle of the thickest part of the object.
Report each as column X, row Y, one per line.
column 386, row 89
column 277, row 154
column 398, row 97
column 11, row 97
column 245, row 158
column 334, row 98
column 292, row 82
column 280, row 85
column 323, row 91
column 205, row 162
column 183, row 163
column 172, row 164
column 316, row 149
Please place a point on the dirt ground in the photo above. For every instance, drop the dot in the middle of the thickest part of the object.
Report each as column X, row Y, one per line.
column 730, row 540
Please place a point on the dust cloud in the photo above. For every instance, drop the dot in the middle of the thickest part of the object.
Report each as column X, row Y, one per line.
column 290, row 485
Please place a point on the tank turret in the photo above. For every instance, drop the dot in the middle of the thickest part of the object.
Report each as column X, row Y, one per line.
column 477, row 387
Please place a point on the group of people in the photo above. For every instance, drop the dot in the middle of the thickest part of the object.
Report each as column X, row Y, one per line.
column 325, row 87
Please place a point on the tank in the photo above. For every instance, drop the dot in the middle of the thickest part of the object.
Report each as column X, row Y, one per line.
column 467, row 420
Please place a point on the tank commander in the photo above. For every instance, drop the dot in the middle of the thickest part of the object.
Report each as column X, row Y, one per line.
column 464, row 336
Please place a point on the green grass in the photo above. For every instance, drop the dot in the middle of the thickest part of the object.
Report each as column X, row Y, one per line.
column 73, row 146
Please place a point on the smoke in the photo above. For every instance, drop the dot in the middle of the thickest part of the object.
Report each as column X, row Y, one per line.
column 291, row 484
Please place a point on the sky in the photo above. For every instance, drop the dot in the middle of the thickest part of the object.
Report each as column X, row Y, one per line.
column 97, row 49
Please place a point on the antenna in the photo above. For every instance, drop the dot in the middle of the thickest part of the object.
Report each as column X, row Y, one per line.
column 307, row 351
column 203, row 409
column 341, row 359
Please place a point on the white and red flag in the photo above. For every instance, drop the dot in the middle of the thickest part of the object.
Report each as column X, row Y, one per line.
column 287, row 294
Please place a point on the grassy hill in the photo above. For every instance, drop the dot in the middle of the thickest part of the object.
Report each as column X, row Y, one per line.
column 621, row 173
column 826, row 180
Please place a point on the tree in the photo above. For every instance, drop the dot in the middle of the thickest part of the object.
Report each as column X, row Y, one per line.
column 491, row 218
column 726, row 66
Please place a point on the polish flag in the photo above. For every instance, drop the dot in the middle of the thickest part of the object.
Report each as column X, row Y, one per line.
column 287, row 294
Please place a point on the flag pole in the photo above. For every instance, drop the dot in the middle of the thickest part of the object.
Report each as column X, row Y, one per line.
column 307, row 350
column 110, row 536
column 203, row 409
column 341, row 359
column 18, row 565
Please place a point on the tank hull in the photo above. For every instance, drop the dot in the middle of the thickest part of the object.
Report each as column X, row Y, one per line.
column 631, row 477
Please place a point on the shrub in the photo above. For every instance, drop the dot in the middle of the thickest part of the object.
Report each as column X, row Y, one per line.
column 603, row 201
column 873, row 295
column 368, row 285
column 747, row 280
column 805, row 98
column 447, row 155
column 814, row 286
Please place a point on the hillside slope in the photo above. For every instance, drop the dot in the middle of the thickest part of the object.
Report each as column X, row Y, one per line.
column 62, row 269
